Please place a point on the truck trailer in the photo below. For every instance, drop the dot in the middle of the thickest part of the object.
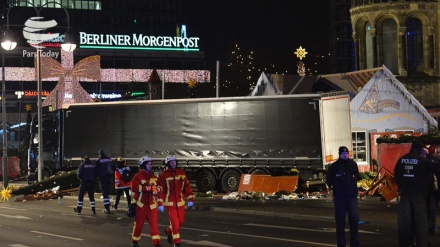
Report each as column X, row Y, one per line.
column 215, row 140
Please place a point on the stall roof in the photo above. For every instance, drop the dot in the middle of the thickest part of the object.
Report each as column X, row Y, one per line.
column 350, row 81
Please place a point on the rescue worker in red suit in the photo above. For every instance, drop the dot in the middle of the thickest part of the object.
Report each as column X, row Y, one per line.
column 145, row 187
column 175, row 189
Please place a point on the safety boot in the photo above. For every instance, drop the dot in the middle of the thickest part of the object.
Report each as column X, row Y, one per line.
column 169, row 237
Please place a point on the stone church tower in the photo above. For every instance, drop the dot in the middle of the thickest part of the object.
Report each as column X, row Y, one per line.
column 404, row 36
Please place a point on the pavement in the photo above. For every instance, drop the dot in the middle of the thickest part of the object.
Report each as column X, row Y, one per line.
column 371, row 209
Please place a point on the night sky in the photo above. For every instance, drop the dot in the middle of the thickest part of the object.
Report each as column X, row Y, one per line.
column 273, row 30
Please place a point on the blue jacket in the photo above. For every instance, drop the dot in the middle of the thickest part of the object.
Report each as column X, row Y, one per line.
column 342, row 177
column 105, row 166
column 413, row 172
column 87, row 171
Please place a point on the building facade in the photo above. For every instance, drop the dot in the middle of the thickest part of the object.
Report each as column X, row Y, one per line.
column 401, row 34
column 135, row 45
column 342, row 55
column 404, row 36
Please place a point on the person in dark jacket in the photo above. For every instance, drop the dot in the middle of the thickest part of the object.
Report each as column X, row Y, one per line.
column 87, row 175
column 105, row 169
column 342, row 177
column 412, row 174
column 433, row 192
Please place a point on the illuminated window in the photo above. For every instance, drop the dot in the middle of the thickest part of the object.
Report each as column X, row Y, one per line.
column 68, row 4
column 359, row 146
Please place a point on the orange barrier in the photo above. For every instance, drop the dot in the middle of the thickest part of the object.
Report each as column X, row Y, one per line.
column 267, row 183
column 374, row 145
column 389, row 153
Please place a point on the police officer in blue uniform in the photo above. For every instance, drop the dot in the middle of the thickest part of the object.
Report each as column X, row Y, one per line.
column 105, row 169
column 342, row 177
column 86, row 174
column 412, row 175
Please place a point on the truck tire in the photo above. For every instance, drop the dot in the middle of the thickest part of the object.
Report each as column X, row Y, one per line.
column 46, row 174
column 260, row 172
column 230, row 181
column 205, row 181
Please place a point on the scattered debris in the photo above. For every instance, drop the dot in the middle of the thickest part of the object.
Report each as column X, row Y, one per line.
column 281, row 195
column 53, row 193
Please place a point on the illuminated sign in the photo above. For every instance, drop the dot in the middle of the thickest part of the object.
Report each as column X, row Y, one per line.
column 137, row 93
column 106, row 96
column 138, row 42
column 35, row 93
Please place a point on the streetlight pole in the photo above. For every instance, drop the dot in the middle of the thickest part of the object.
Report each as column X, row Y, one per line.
column 5, row 133
column 7, row 44
column 40, row 120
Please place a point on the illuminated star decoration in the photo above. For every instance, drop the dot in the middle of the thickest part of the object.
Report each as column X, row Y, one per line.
column 5, row 194
column 28, row 107
column 192, row 83
column 68, row 90
column 301, row 53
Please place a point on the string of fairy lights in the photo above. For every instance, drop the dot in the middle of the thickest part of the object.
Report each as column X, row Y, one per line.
column 245, row 67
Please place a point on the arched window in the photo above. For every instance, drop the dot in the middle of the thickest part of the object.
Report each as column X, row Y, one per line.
column 414, row 36
column 369, row 52
column 389, row 44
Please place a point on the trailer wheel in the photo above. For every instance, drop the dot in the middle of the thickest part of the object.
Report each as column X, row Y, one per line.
column 260, row 172
column 46, row 174
column 206, row 181
column 230, row 181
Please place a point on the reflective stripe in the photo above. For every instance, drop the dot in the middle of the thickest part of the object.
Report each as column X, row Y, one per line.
column 133, row 237
column 171, row 204
column 168, row 204
column 106, row 201
column 139, row 203
column 154, row 237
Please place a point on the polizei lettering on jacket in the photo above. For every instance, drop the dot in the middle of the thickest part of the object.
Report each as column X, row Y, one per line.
column 409, row 161
column 137, row 40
